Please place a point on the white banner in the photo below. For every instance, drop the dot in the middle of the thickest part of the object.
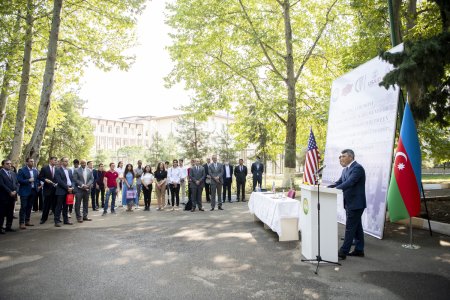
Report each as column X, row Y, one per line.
column 362, row 117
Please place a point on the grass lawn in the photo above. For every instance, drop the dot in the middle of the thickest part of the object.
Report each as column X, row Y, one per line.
column 443, row 178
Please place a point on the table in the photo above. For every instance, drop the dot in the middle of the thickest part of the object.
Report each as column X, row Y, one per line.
column 282, row 215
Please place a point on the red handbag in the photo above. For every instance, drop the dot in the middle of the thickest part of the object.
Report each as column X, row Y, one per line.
column 69, row 198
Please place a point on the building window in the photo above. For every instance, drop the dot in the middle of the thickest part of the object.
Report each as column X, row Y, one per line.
column 125, row 130
column 102, row 128
column 117, row 130
column 109, row 129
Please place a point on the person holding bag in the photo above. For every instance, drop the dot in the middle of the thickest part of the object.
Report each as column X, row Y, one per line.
column 129, row 186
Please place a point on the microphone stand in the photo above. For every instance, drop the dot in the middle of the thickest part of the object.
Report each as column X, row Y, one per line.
column 318, row 258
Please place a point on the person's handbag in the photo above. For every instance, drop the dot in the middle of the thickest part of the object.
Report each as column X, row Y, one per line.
column 131, row 194
column 69, row 198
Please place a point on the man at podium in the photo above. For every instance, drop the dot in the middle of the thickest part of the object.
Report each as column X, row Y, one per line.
column 352, row 182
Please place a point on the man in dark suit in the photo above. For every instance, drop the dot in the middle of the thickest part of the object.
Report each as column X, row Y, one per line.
column 47, row 175
column 257, row 171
column 352, row 182
column 240, row 171
column 227, row 181
column 8, row 195
column 28, row 190
column 65, row 181
column 83, row 183
column 196, row 180
column 207, row 180
column 94, row 199
column 215, row 171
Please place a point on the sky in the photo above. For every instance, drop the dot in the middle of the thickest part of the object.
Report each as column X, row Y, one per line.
column 140, row 91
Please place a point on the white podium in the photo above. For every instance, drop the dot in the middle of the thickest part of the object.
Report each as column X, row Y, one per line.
column 328, row 222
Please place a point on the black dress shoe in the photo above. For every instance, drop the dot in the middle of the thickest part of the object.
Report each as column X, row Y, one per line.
column 201, row 209
column 57, row 225
column 41, row 222
column 10, row 229
column 68, row 223
column 87, row 219
column 220, row 208
column 356, row 253
column 211, row 209
column 192, row 210
column 2, row 231
column 342, row 255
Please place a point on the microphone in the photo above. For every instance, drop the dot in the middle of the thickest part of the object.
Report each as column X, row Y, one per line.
column 320, row 170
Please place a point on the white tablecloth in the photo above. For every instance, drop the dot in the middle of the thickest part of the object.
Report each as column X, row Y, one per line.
column 270, row 210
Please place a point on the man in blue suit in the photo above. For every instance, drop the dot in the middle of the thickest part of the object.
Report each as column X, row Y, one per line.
column 65, row 181
column 353, row 185
column 8, row 195
column 28, row 191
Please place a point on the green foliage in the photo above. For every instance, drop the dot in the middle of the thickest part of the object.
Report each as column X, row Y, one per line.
column 435, row 142
column 425, row 64
column 233, row 55
column 92, row 32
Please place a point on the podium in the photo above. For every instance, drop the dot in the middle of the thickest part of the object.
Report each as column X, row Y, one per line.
column 328, row 222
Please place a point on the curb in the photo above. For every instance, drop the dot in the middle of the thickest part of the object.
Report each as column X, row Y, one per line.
column 420, row 223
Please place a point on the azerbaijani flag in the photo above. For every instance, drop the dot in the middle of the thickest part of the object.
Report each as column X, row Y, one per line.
column 404, row 189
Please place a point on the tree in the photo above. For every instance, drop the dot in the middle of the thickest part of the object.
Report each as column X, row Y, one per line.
column 193, row 138
column 34, row 146
column 102, row 157
column 225, row 145
column 70, row 134
column 157, row 151
column 240, row 51
column 423, row 65
column 17, row 144
column 131, row 153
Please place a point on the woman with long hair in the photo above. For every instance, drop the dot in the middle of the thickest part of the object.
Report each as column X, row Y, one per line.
column 128, row 187
column 147, row 186
column 160, row 186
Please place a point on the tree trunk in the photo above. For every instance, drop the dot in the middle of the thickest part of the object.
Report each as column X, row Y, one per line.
column 7, row 76
column 4, row 95
column 291, row 125
column 35, row 144
column 19, row 129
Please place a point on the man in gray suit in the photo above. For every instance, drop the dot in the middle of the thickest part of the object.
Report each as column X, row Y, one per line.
column 215, row 171
column 196, row 178
column 84, row 179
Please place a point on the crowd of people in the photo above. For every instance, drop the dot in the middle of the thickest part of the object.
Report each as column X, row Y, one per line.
column 58, row 189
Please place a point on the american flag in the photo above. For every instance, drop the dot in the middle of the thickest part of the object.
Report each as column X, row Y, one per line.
column 311, row 161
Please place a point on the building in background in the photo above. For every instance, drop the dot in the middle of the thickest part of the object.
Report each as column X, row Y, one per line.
column 112, row 135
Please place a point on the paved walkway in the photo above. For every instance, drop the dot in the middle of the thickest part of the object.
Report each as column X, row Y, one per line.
column 208, row 255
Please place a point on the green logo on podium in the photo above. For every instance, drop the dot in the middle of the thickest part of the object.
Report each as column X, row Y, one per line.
column 305, row 206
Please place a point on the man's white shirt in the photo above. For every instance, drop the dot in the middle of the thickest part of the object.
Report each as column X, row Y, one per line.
column 174, row 175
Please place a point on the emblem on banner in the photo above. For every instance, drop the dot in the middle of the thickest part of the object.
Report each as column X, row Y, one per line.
column 305, row 206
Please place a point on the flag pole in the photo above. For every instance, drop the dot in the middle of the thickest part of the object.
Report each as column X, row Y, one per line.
column 410, row 245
